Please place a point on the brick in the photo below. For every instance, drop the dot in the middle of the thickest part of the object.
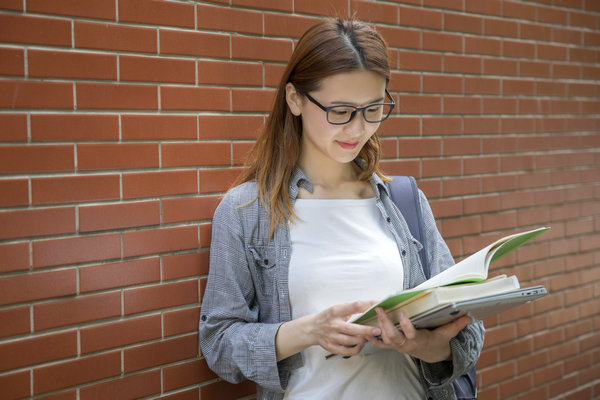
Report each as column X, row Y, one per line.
column 33, row 94
column 517, row 124
column 91, row 35
column 37, row 350
column 68, row 189
column 14, row 192
column 481, row 204
column 103, row 9
column 192, row 394
column 157, row 12
column 500, row 27
column 14, row 257
column 480, row 165
column 24, row 223
column 194, row 154
column 420, row 61
column 520, row 163
column 483, row 45
column 570, row 36
column 133, row 386
column 252, row 100
column 534, row 68
column 16, row 385
column 401, row 37
column 551, row 89
column 581, row 90
column 409, row 126
column 419, row 104
column 71, row 65
column 186, row 374
column 226, row 390
column 165, row 352
column 474, row 125
column 551, row 52
column 461, row 186
column 462, row 105
column 441, row 125
column 496, row 66
column 14, row 128
column 229, row 19
column 117, row 156
column 518, row 384
column 461, row 226
column 475, row 85
column 519, row 10
column 462, row 64
column 281, row 5
column 185, row 265
column 12, row 62
column 159, row 127
column 536, row 32
column 493, row 7
column 197, row 44
column 14, row 321
column 38, row 286
column 181, row 321
column 116, row 96
column 229, row 126
column 532, row 361
column 55, row 252
column 369, row 11
column 194, row 98
column 287, row 25
column 566, row 71
column 230, row 73
column 405, row 82
column 120, row 334
column 442, row 84
column 582, row 19
column 160, row 240
column 152, row 69
column 15, row 5
column 74, row 127
column 513, row 48
column 152, row 184
column 441, row 167
column 463, row 23
column 118, row 275
column 115, row 216
column 31, row 158
column 547, row 373
column 337, row 7
column 493, row 105
column 19, row 28
column 76, row 311
column 251, row 48
column 419, row 17
column 461, row 146
column 161, row 296
column 76, row 372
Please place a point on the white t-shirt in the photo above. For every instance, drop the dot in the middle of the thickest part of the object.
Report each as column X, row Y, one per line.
column 342, row 251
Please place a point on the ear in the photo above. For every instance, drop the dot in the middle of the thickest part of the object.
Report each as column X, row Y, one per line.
column 293, row 99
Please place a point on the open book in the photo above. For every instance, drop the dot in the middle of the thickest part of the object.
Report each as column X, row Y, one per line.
column 465, row 281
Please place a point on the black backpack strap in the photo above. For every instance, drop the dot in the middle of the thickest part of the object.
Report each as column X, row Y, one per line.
column 405, row 194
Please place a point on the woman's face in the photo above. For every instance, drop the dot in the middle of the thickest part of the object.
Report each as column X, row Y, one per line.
column 324, row 142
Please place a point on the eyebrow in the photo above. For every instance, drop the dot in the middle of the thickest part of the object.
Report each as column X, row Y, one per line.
column 348, row 103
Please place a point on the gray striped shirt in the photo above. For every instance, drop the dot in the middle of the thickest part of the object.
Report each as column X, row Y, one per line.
column 246, row 297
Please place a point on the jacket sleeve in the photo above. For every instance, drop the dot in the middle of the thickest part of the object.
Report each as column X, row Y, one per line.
column 236, row 346
column 467, row 345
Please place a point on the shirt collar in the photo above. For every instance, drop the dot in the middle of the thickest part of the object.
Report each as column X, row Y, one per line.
column 300, row 180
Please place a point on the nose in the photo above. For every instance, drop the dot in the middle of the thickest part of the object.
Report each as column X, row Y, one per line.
column 357, row 124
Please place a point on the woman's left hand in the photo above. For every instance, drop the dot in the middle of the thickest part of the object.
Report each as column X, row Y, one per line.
column 427, row 345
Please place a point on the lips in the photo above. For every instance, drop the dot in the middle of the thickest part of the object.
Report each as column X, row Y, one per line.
column 348, row 145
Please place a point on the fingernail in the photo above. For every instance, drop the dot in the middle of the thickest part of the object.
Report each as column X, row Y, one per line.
column 376, row 332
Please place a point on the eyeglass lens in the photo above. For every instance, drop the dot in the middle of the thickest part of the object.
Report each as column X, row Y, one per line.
column 373, row 113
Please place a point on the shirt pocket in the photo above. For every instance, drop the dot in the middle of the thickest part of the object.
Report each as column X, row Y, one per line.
column 264, row 261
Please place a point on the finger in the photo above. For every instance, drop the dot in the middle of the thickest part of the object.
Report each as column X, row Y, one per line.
column 347, row 309
column 451, row 329
column 388, row 329
column 408, row 329
column 345, row 350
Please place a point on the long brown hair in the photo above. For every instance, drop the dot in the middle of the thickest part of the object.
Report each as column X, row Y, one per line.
column 333, row 46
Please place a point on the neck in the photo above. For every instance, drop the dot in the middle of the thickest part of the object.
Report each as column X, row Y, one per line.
column 328, row 174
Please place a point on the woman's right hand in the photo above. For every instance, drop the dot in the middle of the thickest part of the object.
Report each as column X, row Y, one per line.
column 332, row 331
column 329, row 329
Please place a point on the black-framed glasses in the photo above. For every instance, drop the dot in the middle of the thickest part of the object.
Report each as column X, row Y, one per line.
column 342, row 114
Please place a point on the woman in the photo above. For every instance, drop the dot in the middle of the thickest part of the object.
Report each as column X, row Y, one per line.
column 310, row 237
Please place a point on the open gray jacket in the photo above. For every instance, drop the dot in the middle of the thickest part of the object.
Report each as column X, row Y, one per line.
column 246, row 297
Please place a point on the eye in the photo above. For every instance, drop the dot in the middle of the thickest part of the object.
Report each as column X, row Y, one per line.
column 341, row 111
column 374, row 108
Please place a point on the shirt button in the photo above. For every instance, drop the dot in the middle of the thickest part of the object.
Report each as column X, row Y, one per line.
column 388, row 219
column 266, row 262
column 203, row 318
column 403, row 252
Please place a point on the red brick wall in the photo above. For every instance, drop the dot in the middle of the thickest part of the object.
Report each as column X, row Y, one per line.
column 122, row 121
